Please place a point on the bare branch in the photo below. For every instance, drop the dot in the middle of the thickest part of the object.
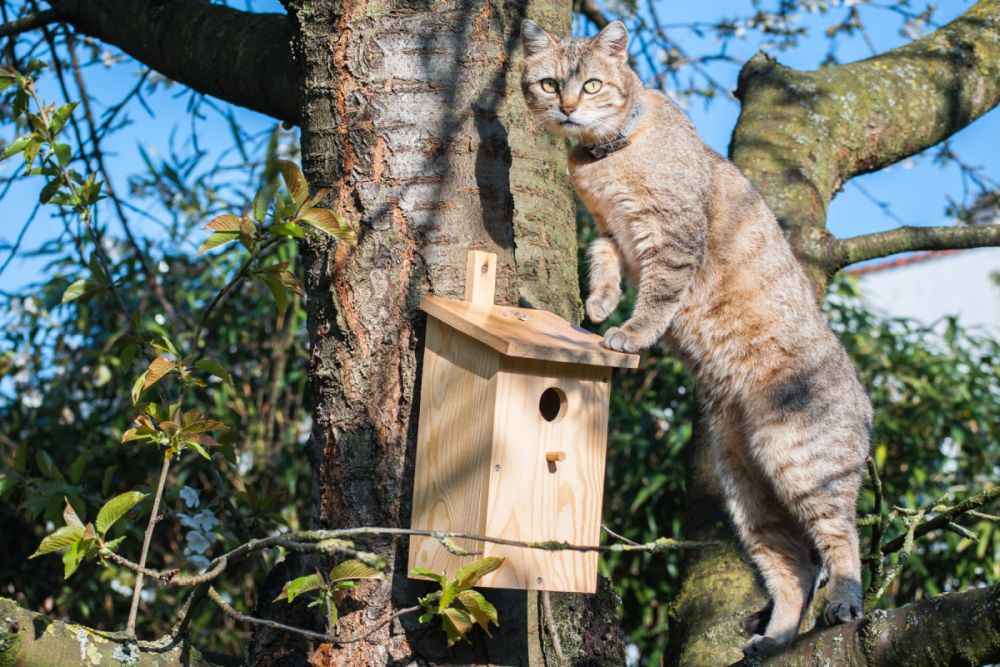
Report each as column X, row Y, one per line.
column 30, row 22
column 945, row 516
column 905, row 239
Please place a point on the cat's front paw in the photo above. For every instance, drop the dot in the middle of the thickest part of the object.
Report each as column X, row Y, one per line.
column 602, row 303
column 625, row 339
column 760, row 645
column 843, row 610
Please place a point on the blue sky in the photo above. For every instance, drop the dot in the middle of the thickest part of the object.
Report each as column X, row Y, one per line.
column 916, row 190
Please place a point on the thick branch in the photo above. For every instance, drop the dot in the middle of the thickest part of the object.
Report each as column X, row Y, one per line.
column 239, row 57
column 904, row 239
column 802, row 135
column 27, row 638
column 951, row 629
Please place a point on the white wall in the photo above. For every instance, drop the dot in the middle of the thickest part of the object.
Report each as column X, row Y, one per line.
column 954, row 284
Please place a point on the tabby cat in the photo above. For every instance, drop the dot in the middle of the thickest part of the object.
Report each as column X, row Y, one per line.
column 788, row 420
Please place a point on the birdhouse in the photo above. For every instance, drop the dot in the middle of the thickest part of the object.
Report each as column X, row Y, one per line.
column 512, row 437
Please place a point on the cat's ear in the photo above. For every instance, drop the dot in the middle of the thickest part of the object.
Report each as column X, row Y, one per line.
column 534, row 38
column 613, row 41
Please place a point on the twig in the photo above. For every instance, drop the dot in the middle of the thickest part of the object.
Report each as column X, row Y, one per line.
column 876, row 563
column 550, row 627
column 618, row 537
column 905, row 239
column 944, row 517
column 253, row 620
column 130, row 626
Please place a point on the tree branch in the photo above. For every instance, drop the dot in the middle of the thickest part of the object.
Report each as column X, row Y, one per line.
column 239, row 57
column 802, row 135
column 30, row 22
column 904, row 239
column 950, row 629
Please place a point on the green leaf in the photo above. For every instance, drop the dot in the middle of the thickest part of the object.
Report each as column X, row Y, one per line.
column 456, row 624
column 140, row 382
column 217, row 239
column 47, row 466
column 63, row 154
column 196, row 446
column 352, row 569
column 332, row 613
column 331, row 223
column 277, row 289
column 285, row 229
column 469, row 574
column 73, row 557
column 116, row 508
column 296, row 587
column 480, row 608
column 294, row 180
column 80, row 288
column 212, row 366
column 49, row 191
column 430, row 574
column 262, row 201
column 112, row 545
column 21, row 457
column 60, row 539
column 60, row 117
column 16, row 146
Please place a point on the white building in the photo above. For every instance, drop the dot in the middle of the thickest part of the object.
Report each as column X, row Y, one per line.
column 929, row 286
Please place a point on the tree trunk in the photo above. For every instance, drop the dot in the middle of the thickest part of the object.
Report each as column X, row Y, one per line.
column 413, row 117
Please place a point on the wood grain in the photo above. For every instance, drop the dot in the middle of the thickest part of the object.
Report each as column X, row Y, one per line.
column 534, row 499
column 526, row 333
column 454, row 439
column 480, row 277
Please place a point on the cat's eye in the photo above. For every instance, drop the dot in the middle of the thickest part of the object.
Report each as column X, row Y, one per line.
column 592, row 86
column 549, row 85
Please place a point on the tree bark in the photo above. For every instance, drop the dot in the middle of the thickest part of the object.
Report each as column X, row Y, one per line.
column 29, row 639
column 412, row 117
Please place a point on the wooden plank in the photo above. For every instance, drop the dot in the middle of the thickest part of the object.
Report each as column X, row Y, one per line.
column 526, row 333
column 454, row 439
column 480, row 277
column 534, row 499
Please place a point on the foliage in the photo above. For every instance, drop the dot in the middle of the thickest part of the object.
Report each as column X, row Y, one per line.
column 459, row 606
column 343, row 576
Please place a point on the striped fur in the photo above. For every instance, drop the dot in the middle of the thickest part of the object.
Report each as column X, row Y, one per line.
column 788, row 419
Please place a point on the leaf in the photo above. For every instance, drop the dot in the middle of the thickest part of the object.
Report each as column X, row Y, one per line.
column 224, row 223
column 296, row 587
column 262, row 201
column 285, row 229
column 140, row 382
column 480, row 608
column 212, row 366
column 294, row 180
column 16, row 146
column 158, row 368
column 456, row 624
column 332, row 613
column 331, row 223
column 196, row 446
column 70, row 517
column 47, row 466
column 277, row 290
column 352, row 569
column 116, row 508
column 63, row 154
column 203, row 426
column 60, row 117
column 430, row 574
column 73, row 557
column 49, row 191
column 60, row 539
column 469, row 575
column 217, row 239
column 79, row 289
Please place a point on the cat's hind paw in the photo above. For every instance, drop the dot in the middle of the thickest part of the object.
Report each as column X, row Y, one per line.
column 602, row 303
column 842, row 611
column 760, row 645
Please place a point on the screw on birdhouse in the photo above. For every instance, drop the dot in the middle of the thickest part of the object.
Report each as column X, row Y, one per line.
column 496, row 468
column 538, row 580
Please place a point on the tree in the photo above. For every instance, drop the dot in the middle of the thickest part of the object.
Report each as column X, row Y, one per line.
column 411, row 118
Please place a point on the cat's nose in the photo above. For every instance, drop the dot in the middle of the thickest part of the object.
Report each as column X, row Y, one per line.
column 567, row 109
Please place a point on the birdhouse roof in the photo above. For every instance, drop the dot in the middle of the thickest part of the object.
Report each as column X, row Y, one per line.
column 526, row 333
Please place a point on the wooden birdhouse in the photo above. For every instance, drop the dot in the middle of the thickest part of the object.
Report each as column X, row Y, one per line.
column 512, row 436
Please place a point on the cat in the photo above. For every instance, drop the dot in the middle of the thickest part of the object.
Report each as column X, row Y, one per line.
column 789, row 422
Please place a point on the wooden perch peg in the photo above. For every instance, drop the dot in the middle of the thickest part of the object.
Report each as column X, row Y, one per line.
column 552, row 457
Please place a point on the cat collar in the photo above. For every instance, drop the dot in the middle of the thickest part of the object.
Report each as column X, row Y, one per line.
column 603, row 149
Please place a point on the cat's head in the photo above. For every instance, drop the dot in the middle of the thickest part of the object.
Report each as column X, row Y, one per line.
column 577, row 87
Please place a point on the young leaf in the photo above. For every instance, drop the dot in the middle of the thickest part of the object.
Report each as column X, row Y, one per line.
column 352, row 569
column 430, row 574
column 60, row 539
column 469, row 574
column 60, row 117
column 73, row 557
column 78, row 289
column 297, row 587
column 158, row 368
column 16, row 146
column 212, row 366
column 217, row 239
column 295, row 181
column 116, row 508
column 480, row 608
column 140, row 382
column 70, row 517
column 262, row 201
column 224, row 223
column 277, row 290
column 196, row 446
column 285, row 229
column 456, row 623
column 329, row 222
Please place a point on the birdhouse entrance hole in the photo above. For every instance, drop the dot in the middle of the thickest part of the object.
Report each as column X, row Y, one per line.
column 552, row 404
